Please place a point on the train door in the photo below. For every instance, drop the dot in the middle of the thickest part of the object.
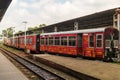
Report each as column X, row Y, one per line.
column 79, row 44
column 111, row 37
column 89, row 45
column 99, row 47
column 37, row 42
column 46, row 43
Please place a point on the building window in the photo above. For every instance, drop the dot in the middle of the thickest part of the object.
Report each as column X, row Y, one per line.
column 42, row 41
column 72, row 41
column 50, row 41
column 64, row 41
column 91, row 41
column 99, row 40
column 57, row 40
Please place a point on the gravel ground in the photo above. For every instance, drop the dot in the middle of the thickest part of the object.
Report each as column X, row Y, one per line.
column 98, row 69
column 30, row 75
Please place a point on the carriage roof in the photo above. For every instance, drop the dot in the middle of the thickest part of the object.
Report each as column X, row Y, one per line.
column 77, row 31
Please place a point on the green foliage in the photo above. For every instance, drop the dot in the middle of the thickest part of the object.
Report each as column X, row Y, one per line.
column 32, row 28
column 8, row 32
column 36, row 29
column 19, row 32
column 42, row 25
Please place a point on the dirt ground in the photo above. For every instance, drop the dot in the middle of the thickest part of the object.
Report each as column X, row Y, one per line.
column 95, row 68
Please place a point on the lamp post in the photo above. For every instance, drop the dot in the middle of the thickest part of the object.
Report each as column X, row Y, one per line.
column 7, row 33
column 13, row 34
column 25, row 22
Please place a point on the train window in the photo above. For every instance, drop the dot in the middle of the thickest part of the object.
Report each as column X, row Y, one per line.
column 20, row 40
column 91, row 41
column 30, row 41
column 37, row 40
column 27, row 41
column 99, row 40
column 64, row 41
column 57, row 40
column 72, row 41
column 46, row 41
column 23, row 40
column 42, row 41
column 116, row 43
column 107, row 43
column 50, row 41
column 80, row 40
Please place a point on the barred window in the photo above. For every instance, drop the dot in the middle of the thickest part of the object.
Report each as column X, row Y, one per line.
column 64, row 41
column 91, row 41
column 72, row 41
column 107, row 43
column 51, row 41
column 42, row 41
column 116, row 43
column 57, row 40
column 99, row 40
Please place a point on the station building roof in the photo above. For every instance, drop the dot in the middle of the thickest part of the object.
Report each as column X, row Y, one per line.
column 96, row 20
column 3, row 7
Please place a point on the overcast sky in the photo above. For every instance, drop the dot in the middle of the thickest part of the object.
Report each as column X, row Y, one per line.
column 37, row 12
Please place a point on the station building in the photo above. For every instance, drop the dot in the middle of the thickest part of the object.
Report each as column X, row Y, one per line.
column 107, row 18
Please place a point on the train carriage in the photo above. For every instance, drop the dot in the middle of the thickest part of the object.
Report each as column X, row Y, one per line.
column 32, row 43
column 16, row 42
column 52, row 43
column 21, row 42
column 5, row 41
column 93, row 43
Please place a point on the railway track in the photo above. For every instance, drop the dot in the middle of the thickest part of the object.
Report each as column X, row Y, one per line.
column 42, row 73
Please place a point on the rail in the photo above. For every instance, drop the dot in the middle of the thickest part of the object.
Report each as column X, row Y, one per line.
column 41, row 72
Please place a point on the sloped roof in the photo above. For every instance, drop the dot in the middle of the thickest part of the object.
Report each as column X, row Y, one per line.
column 96, row 20
column 3, row 7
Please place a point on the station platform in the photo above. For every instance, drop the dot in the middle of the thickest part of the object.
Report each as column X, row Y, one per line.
column 95, row 68
column 8, row 71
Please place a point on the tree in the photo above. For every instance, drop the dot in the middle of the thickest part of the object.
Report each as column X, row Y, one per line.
column 8, row 32
column 4, row 32
column 42, row 25
column 32, row 28
column 19, row 32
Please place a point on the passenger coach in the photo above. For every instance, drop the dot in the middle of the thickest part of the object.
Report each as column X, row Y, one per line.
column 33, row 42
column 93, row 43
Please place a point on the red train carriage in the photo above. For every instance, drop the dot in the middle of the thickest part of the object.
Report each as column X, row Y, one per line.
column 94, row 43
column 33, row 42
column 21, row 42
column 5, row 41
column 10, row 41
column 16, row 42
column 57, row 43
